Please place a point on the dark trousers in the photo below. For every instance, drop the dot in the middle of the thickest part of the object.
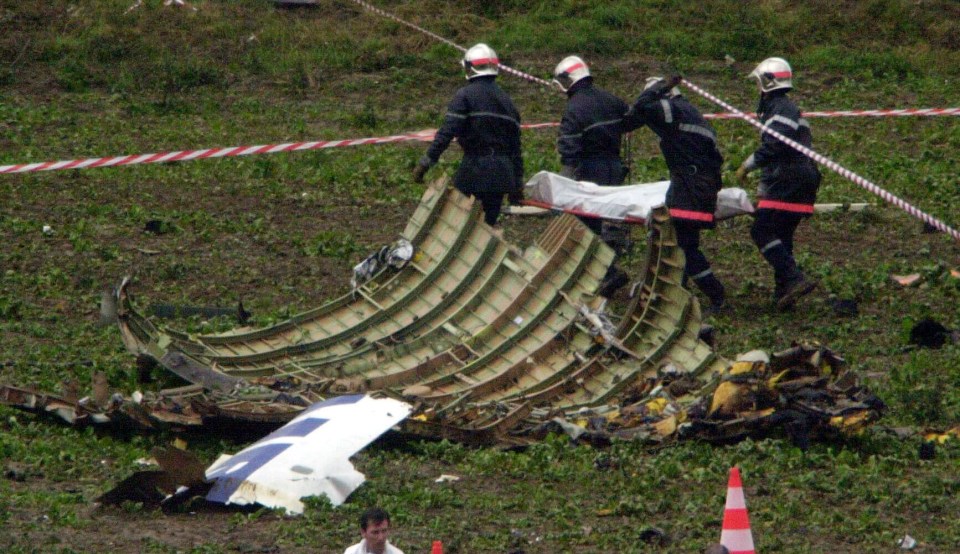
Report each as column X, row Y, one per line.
column 492, row 203
column 489, row 178
column 772, row 232
column 697, row 267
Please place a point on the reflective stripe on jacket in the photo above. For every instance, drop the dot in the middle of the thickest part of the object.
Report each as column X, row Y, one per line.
column 482, row 118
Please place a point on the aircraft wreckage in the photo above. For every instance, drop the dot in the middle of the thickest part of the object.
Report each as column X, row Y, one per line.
column 489, row 344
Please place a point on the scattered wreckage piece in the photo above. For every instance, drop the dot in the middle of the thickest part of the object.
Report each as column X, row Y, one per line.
column 179, row 478
column 803, row 392
column 308, row 456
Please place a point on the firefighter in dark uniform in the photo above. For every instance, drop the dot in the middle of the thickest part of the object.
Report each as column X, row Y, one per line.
column 590, row 130
column 589, row 147
column 689, row 146
column 485, row 122
column 788, row 181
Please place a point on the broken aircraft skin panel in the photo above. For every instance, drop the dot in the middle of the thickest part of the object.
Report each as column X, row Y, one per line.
column 477, row 332
column 308, row 456
column 490, row 344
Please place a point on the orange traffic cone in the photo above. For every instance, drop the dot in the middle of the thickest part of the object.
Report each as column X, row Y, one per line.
column 437, row 548
column 736, row 535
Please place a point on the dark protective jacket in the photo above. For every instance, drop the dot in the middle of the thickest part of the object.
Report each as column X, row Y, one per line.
column 590, row 133
column 788, row 179
column 689, row 146
column 485, row 122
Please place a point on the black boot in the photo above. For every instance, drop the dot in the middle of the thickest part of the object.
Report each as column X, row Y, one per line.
column 790, row 282
column 793, row 290
column 713, row 288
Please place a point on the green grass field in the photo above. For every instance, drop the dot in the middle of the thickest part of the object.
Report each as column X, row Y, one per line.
column 89, row 79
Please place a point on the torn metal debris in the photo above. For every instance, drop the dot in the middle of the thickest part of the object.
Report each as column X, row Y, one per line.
column 179, row 477
column 488, row 342
column 803, row 392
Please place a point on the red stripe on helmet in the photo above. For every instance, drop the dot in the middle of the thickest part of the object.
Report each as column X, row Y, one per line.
column 484, row 61
column 574, row 68
column 782, row 74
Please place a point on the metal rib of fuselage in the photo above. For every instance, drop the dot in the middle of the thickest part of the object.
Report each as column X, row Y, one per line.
column 470, row 329
column 554, row 308
column 535, row 316
column 660, row 327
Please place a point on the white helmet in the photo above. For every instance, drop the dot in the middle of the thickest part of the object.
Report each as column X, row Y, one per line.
column 773, row 74
column 480, row 60
column 654, row 80
column 570, row 70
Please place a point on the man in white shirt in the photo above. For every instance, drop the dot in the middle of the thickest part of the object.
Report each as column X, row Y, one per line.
column 374, row 528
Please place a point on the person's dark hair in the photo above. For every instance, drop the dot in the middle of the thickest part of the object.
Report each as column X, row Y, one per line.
column 717, row 549
column 373, row 515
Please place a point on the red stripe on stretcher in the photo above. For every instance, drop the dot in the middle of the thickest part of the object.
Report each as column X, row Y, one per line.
column 690, row 214
column 786, row 206
column 539, row 204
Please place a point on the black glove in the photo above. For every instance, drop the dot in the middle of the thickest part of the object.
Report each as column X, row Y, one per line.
column 654, row 93
column 418, row 172
column 663, row 87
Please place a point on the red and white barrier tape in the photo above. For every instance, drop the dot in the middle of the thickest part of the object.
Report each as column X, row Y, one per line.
column 389, row 15
column 229, row 151
column 921, row 112
column 859, row 113
column 392, row 17
column 823, row 160
column 232, row 151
